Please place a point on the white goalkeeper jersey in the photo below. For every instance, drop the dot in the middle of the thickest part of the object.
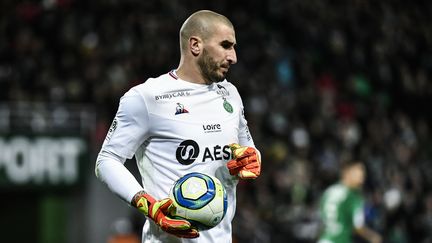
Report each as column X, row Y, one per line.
column 174, row 127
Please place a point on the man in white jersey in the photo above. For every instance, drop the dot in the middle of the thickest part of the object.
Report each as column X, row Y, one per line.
column 188, row 120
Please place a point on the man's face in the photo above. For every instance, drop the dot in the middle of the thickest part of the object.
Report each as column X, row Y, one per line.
column 218, row 54
column 357, row 175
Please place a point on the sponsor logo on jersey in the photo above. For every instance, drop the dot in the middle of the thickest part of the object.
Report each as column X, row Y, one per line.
column 222, row 90
column 188, row 152
column 113, row 127
column 212, row 128
column 172, row 95
column 180, row 109
column 248, row 135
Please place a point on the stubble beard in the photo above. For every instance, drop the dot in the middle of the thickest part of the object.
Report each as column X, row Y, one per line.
column 209, row 69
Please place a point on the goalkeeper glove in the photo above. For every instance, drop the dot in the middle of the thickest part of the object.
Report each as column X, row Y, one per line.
column 246, row 163
column 158, row 211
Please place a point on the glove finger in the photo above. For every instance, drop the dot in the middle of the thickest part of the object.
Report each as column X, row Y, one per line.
column 165, row 204
column 234, row 166
column 255, row 168
column 250, row 171
column 243, row 152
column 174, row 224
column 190, row 233
column 256, row 171
column 235, row 171
column 247, row 174
column 236, row 163
column 237, row 150
column 159, row 207
column 251, row 166
column 234, row 146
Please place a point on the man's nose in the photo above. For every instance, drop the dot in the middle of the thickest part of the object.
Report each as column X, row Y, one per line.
column 232, row 57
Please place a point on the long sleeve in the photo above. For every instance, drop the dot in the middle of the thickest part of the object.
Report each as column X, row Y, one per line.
column 111, row 171
column 127, row 132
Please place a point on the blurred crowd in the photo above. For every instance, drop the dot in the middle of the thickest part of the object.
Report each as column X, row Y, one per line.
column 321, row 82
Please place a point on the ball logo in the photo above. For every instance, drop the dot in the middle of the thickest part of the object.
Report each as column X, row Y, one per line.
column 187, row 152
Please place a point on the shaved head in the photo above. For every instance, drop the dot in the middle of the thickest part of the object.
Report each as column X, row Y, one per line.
column 207, row 47
column 201, row 24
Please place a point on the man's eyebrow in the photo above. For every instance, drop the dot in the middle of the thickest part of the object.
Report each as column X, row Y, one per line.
column 227, row 42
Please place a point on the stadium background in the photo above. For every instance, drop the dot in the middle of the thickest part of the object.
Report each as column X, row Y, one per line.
column 322, row 81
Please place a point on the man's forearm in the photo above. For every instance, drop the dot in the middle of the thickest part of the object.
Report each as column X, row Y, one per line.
column 117, row 177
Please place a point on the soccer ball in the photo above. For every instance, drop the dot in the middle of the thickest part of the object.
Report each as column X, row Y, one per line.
column 200, row 199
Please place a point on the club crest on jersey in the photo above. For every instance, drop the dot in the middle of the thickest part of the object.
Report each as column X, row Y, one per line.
column 180, row 109
column 228, row 107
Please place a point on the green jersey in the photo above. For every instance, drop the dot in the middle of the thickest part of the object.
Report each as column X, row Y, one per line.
column 341, row 210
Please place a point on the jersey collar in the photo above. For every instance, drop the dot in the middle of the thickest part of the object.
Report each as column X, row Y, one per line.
column 173, row 74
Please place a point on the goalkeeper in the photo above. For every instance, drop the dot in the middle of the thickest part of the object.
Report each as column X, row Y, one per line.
column 190, row 119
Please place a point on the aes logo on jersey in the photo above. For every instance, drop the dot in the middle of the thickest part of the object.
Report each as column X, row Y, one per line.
column 188, row 152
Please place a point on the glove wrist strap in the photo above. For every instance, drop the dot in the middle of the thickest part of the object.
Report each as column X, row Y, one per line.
column 142, row 201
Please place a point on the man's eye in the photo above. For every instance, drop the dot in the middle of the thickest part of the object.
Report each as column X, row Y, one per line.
column 227, row 45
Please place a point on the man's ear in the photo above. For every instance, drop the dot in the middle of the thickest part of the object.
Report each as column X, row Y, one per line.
column 195, row 45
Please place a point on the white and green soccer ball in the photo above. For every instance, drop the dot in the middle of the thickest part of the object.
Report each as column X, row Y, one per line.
column 200, row 199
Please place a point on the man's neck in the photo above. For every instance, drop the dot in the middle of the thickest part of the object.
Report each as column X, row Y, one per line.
column 189, row 72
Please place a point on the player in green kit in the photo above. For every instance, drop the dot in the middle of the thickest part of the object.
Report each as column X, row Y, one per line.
column 341, row 208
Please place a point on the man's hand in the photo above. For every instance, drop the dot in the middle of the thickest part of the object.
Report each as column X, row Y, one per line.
column 158, row 211
column 369, row 234
column 246, row 163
